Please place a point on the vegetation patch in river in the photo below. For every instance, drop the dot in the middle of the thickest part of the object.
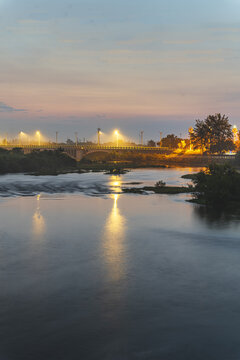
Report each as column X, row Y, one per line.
column 115, row 171
column 218, row 186
column 189, row 176
column 170, row 190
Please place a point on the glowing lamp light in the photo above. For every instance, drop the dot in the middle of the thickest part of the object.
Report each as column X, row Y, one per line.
column 21, row 135
column 39, row 136
column 116, row 132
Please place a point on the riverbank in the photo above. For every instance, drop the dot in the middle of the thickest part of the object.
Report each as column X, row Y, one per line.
column 37, row 162
column 57, row 162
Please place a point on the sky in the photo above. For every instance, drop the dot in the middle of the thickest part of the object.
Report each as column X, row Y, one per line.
column 151, row 65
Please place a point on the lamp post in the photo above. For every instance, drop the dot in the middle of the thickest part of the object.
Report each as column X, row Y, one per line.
column 117, row 135
column 20, row 137
column 56, row 137
column 39, row 137
column 6, row 139
column 76, row 138
column 160, row 143
column 141, row 134
column 98, row 136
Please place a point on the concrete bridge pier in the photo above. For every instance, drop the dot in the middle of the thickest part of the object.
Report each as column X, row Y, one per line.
column 27, row 151
column 74, row 153
column 79, row 154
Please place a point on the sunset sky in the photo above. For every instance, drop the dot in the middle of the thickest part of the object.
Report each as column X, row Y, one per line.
column 136, row 65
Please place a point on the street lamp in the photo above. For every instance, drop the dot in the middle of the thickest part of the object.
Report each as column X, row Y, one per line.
column 76, row 138
column 39, row 137
column 117, row 135
column 141, row 136
column 160, row 143
column 98, row 134
column 20, row 137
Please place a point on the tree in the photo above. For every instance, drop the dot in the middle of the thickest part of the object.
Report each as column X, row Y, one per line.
column 218, row 185
column 151, row 143
column 171, row 141
column 214, row 134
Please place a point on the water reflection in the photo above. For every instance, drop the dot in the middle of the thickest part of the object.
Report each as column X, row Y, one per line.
column 115, row 182
column 114, row 241
column 38, row 221
column 217, row 218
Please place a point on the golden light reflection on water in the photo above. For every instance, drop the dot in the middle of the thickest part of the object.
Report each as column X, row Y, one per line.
column 114, row 241
column 115, row 182
column 38, row 221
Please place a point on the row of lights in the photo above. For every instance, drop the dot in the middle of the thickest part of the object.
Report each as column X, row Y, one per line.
column 116, row 133
column 23, row 135
column 99, row 132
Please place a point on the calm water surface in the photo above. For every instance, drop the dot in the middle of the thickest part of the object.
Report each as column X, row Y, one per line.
column 87, row 272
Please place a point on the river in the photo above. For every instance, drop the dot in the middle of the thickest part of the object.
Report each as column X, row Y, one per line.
column 87, row 272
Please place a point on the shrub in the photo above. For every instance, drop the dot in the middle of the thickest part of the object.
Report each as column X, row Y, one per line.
column 160, row 184
column 218, row 185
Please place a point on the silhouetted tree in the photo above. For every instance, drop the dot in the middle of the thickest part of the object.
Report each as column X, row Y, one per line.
column 151, row 143
column 214, row 134
column 171, row 141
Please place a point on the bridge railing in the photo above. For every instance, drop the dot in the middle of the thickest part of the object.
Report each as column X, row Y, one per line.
column 82, row 147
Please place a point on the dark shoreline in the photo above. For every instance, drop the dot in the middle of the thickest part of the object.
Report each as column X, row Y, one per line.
column 169, row 190
column 57, row 162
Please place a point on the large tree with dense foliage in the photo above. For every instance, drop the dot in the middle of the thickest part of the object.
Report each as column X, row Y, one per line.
column 171, row 141
column 213, row 135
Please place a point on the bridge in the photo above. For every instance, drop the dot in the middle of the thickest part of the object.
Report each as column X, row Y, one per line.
column 77, row 152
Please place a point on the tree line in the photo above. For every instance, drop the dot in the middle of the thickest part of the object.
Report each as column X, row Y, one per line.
column 211, row 135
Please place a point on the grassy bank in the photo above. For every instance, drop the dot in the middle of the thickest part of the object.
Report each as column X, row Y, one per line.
column 167, row 158
column 37, row 162
column 56, row 162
